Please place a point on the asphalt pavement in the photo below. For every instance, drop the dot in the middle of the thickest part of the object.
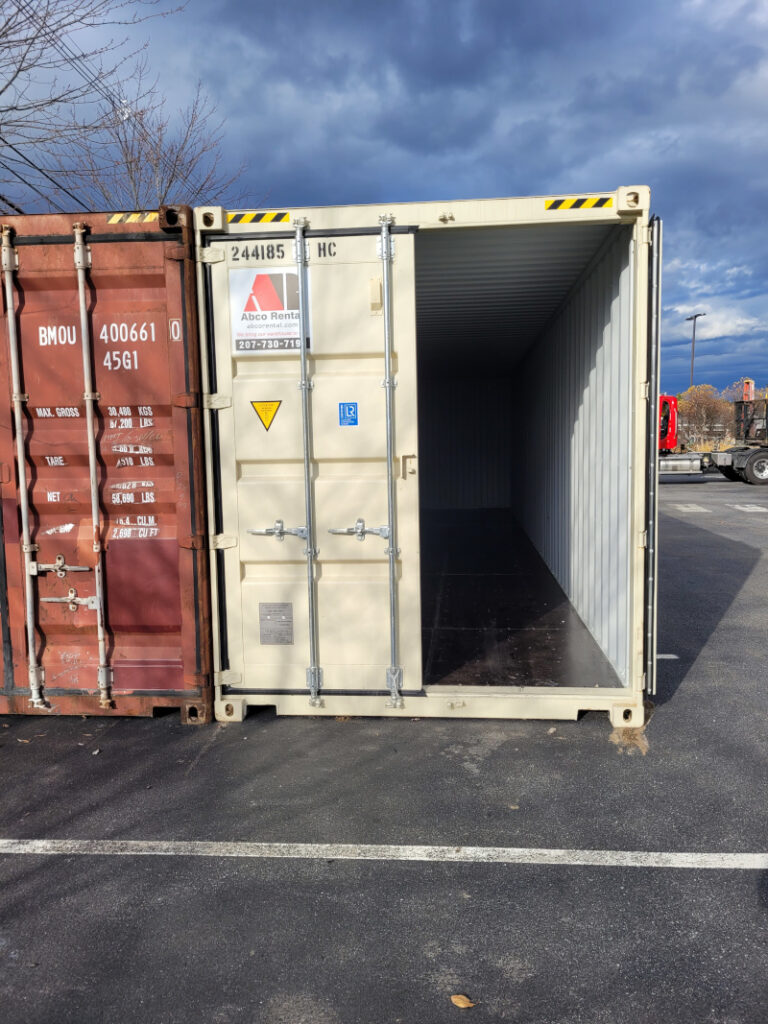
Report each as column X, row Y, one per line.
column 322, row 940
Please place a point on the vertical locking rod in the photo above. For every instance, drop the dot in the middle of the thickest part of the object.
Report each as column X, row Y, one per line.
column 82, row 265
column 314, row 672
column 395, row 671
column 10, row 265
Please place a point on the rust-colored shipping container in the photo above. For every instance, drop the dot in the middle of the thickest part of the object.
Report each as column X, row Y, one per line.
column 103, row 573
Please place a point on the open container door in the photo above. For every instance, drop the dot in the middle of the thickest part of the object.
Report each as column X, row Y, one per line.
column 652, row 492
column 312, row 433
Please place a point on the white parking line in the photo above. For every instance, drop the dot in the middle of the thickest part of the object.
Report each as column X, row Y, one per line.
column 747, row 508
column 691, row 508
column 386, row 853
column 668, row 657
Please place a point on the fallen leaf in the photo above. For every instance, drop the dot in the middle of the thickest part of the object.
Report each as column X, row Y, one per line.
column 342, row 718
column 22, row 741
column 550, row 731
column 514, row 807
column 6, row 726
column 463, row 1002
column 95, row 752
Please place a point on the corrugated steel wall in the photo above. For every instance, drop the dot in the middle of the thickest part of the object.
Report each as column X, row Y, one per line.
column 573, row 409
column 466, row 443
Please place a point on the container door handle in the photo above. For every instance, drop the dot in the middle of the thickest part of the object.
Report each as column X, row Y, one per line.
column 60, row 567
column 73, row 601
column 280, row 531
column 360, row 530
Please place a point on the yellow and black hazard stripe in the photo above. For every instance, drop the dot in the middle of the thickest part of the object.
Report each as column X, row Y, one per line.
column 132, row 218
column 579, row 203
column 255, row 217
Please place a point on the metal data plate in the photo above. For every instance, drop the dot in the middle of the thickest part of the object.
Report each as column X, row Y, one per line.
column 276, row 622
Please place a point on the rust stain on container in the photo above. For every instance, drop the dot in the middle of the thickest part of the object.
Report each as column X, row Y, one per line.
column 147, row 540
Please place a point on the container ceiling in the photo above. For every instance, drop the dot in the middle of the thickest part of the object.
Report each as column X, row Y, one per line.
column 484, row 294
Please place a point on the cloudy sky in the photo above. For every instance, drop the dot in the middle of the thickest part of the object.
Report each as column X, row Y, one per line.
column 343, row 101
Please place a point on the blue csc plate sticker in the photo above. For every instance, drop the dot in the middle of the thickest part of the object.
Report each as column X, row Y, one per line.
column 347, row 414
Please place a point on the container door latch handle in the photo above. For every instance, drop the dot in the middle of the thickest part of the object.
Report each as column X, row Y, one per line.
column 73, row 601
column 360, row 530
column 280, row 530
column 60, row 567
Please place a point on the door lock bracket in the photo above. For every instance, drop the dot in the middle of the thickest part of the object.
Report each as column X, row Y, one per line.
column 394, row 685
column 314, row 682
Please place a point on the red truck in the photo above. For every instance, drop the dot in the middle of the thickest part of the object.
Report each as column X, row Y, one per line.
column 667, row 424
column 747, row 461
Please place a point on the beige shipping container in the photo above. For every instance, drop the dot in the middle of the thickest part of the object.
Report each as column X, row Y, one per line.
column 431, row 438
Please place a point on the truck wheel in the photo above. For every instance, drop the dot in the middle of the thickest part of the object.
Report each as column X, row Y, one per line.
column 729, row 473
column 756, row 468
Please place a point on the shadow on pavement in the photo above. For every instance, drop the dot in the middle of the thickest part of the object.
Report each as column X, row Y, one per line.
column 700, row 575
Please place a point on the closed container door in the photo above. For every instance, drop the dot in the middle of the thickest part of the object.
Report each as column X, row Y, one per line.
column 319, row 495
column 113, row 586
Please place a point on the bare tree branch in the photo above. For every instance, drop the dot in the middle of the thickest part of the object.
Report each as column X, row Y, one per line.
column 141, row 157
column 55, row 82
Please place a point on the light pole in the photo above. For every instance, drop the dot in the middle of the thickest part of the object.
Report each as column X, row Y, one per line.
column 695, row 317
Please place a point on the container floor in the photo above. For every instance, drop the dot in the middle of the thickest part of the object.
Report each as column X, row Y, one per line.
column 493, row 614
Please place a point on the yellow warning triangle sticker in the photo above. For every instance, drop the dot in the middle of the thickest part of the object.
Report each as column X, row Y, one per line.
column 266, row 411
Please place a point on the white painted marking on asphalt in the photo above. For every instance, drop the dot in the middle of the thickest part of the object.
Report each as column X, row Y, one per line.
column 668, row 657
column 353, row 851
column 691, row 508
column 747, row 508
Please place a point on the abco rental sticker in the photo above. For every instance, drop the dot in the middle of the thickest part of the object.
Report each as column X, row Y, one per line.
column 264, row 310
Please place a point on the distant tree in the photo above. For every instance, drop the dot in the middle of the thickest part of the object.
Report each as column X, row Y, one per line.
column 734, row 392
column 50, row 84
column 705, row 416
column 140, row 157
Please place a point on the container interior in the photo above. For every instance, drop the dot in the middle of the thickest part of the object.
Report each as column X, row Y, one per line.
column 524, row 339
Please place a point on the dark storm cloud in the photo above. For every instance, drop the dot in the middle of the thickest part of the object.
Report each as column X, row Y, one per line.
column 346, row 102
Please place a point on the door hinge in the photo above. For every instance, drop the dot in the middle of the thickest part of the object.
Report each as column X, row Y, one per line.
column 645, row 390
column 644, row 539
column 222, row 541
column 190, row 400
column 178, row 253
column 217, row 401
column 196, row 543
column 207, row 254
column 227, row 678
